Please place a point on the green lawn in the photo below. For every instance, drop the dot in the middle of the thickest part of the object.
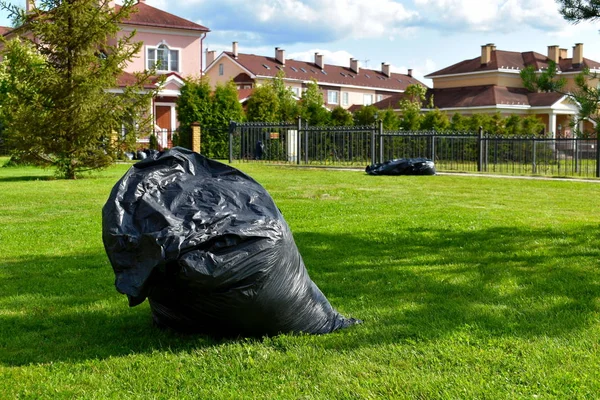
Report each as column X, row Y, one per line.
column 469, row 287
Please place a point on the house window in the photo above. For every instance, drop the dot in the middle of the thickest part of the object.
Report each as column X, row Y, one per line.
column 379, row 97
column 221, row 69
column 296, row 91
column 368, row 100
column 162, row 58
column 333, row 97
column 345, row 100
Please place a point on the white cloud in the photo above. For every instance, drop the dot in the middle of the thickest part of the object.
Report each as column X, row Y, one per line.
column 490, row 15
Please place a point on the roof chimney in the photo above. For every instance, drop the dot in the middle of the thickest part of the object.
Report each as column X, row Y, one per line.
column 29, row 5
column 410, row 72
column 385, row 69
column 354, row 65
column 139, row 1
column 553, row 53
column 562, row 53
column 234, row 49
column 210, row 56
column 578, row 54
column 319, row 60
column 280, row 55
column 486, row 53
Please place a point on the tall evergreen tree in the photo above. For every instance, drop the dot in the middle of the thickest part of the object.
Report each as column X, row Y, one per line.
column 57, row 110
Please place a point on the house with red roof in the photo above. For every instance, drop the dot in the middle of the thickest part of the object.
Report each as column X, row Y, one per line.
column 491, row 83
column 172, row 44
column 341, row 85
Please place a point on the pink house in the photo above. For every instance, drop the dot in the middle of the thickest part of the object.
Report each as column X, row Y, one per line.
column 173, row 45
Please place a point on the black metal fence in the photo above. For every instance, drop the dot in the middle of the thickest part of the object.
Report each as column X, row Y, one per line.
column 451, row 151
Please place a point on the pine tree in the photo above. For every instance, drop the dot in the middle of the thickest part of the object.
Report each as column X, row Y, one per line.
column 56, row 108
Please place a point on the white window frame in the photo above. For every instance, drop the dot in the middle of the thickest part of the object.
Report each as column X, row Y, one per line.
column 345, row 98
column 333, row 97
column 379, row 97
column 170, row 50
column 368, row 99
column 297, row 91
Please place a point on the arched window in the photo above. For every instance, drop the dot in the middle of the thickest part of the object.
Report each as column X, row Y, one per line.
column 163, row 58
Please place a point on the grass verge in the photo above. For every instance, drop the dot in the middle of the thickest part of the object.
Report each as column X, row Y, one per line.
column 469, row 287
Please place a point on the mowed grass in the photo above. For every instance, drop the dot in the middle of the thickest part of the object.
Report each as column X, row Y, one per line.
column 469, row 287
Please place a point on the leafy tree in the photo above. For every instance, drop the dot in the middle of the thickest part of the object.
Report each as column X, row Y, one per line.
column 263, row 105
column 55, row 106
column 226, row 107
column 366, row 115
column 410, row 106
column 532, row 126
column 459, row 122
column 213, row 110
column 435, row 120
column 288, row 106
column 390, row 119
column 341, row 117
column 312, row 107
column 193, row 105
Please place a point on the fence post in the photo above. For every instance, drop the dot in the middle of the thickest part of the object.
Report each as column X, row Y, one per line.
column 380, row 141
column 480, row 158
column 533, row 166
column 299, row 139
column 597, row 155
column 373, row 160
column 196, row 137
column 433, row 146
column 231, row 130
column 306, row 142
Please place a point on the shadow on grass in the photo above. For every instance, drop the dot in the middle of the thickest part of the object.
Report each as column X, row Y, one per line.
column 67, row 309
column 407, row 285
column 433, row 284
column 27, row 178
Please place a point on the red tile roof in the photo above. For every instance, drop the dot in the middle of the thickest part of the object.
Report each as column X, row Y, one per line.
column 501, row 59
column 479, row 96
column 146, row 15
column 334, row 75
column 4, row 30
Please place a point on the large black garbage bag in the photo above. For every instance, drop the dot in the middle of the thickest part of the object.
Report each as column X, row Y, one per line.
column 207, row 246
column 403, row 166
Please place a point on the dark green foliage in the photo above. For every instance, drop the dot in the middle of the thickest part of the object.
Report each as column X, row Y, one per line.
column 153, row 142
column 54, row 104
column 435, row 120
column 366, row 115
column 312, row 107
column 390, row 119
column 263, row 106
column 341, row 117
column 193, row 105
column 213, row 110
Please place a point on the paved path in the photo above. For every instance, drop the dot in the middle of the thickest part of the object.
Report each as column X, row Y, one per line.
column 542, row 178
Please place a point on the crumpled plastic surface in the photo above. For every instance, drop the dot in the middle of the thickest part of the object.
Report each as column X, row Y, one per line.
column 403, row 166
column 208, row 247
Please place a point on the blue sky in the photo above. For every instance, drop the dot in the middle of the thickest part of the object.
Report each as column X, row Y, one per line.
column 424, row 35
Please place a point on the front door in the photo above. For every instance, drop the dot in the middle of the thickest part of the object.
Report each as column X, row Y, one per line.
column 163, row 120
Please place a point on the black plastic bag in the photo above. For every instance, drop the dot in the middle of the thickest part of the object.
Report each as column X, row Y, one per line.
column 403, row 166
column 207, row 246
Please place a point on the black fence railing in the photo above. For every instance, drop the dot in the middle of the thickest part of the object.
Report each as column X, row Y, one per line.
column 451, row 151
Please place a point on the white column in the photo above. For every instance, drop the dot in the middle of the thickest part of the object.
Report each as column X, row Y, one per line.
column 292, row 145
column 552, row 124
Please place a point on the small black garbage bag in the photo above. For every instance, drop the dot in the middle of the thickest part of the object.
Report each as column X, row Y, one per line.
column 403, row 166
column 207, row 246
